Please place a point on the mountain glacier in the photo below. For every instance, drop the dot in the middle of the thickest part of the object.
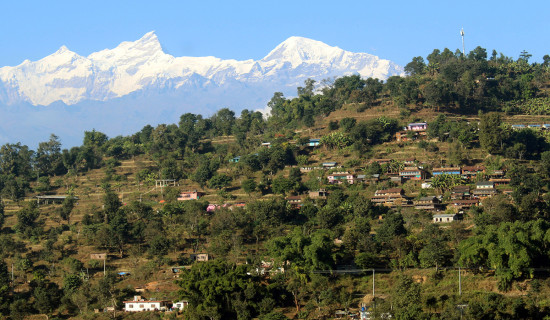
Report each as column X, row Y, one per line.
column 119, row 90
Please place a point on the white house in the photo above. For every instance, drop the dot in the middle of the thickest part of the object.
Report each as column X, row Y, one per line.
column 445, row 218
column 180, row 305
column 139, row 304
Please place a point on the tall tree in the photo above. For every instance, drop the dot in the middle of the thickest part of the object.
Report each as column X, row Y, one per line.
column 407, row 299
column 48, row 157
column 28, row 224
column 416, row 66
column 491, row 134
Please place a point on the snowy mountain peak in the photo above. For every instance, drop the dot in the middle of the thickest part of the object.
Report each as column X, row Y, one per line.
column 62, row 49
column 305, row 44
column 298, row 50
column 149, row 42
column 62, row 56
column 143, row 48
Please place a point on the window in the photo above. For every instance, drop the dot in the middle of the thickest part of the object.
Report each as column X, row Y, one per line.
column 130, row 306
column 141, row 306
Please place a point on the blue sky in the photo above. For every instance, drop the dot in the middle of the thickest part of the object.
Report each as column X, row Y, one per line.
column 395, row 30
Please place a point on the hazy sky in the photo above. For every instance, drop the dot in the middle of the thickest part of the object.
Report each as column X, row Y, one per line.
column 395, row 30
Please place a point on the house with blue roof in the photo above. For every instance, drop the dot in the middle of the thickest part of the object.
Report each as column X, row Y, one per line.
column 314, row 142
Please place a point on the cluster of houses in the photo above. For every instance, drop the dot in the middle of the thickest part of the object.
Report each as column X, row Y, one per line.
column 531, row 126
column 462, row 196
column 466, row 172
column 418, row 130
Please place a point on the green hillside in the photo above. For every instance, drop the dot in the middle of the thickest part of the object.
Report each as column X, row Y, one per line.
column 296, row 210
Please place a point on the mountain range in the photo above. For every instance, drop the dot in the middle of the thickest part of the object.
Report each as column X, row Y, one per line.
column 118, row 91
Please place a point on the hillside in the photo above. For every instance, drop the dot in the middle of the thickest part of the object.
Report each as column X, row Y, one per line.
column 415, row 184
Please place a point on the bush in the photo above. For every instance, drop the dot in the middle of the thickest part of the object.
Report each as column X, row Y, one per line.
column 73, row 264
column 274, row 316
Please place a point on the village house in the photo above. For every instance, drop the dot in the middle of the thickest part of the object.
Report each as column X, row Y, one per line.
column 390, row 197
column 213, row 207
column 340, row 177
column 404, row 136
column 314, row 142
column 484, row 189
column 319, row 194
column 485, row 185
column 410, row 162
column 235, row 160
column 469, row 172
column 483, row 193
column 361, row 178
column 460, row 193
column 294, row 201
column 200, row 257
column 329, row 165
column 238, row 205
column 428, row 203
column 396, row 178
column 52, row 199
column 417, row 126
column 498, row 174
column 500, row 181
column 382, row 161
column 162, row 183
column 180, row 305
column 412, row 173
column 412, row 131
column 446, row 218
column 140, row 304
column 190, row 195
column 460, row 205
column 266, row 144
column 446, row 170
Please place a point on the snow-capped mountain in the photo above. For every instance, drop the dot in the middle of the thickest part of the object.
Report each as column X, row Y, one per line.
column 118, row 91
column 142, row 66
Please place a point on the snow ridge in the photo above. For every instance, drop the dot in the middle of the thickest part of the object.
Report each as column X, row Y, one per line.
column 142, row 65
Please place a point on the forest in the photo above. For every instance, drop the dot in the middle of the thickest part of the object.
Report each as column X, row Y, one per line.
column 297, row 211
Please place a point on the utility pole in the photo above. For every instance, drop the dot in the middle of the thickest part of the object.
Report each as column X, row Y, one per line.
column 463, row 48
column 373, row 285
column 373, row 301
column 459, row 283
column 461, row 308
